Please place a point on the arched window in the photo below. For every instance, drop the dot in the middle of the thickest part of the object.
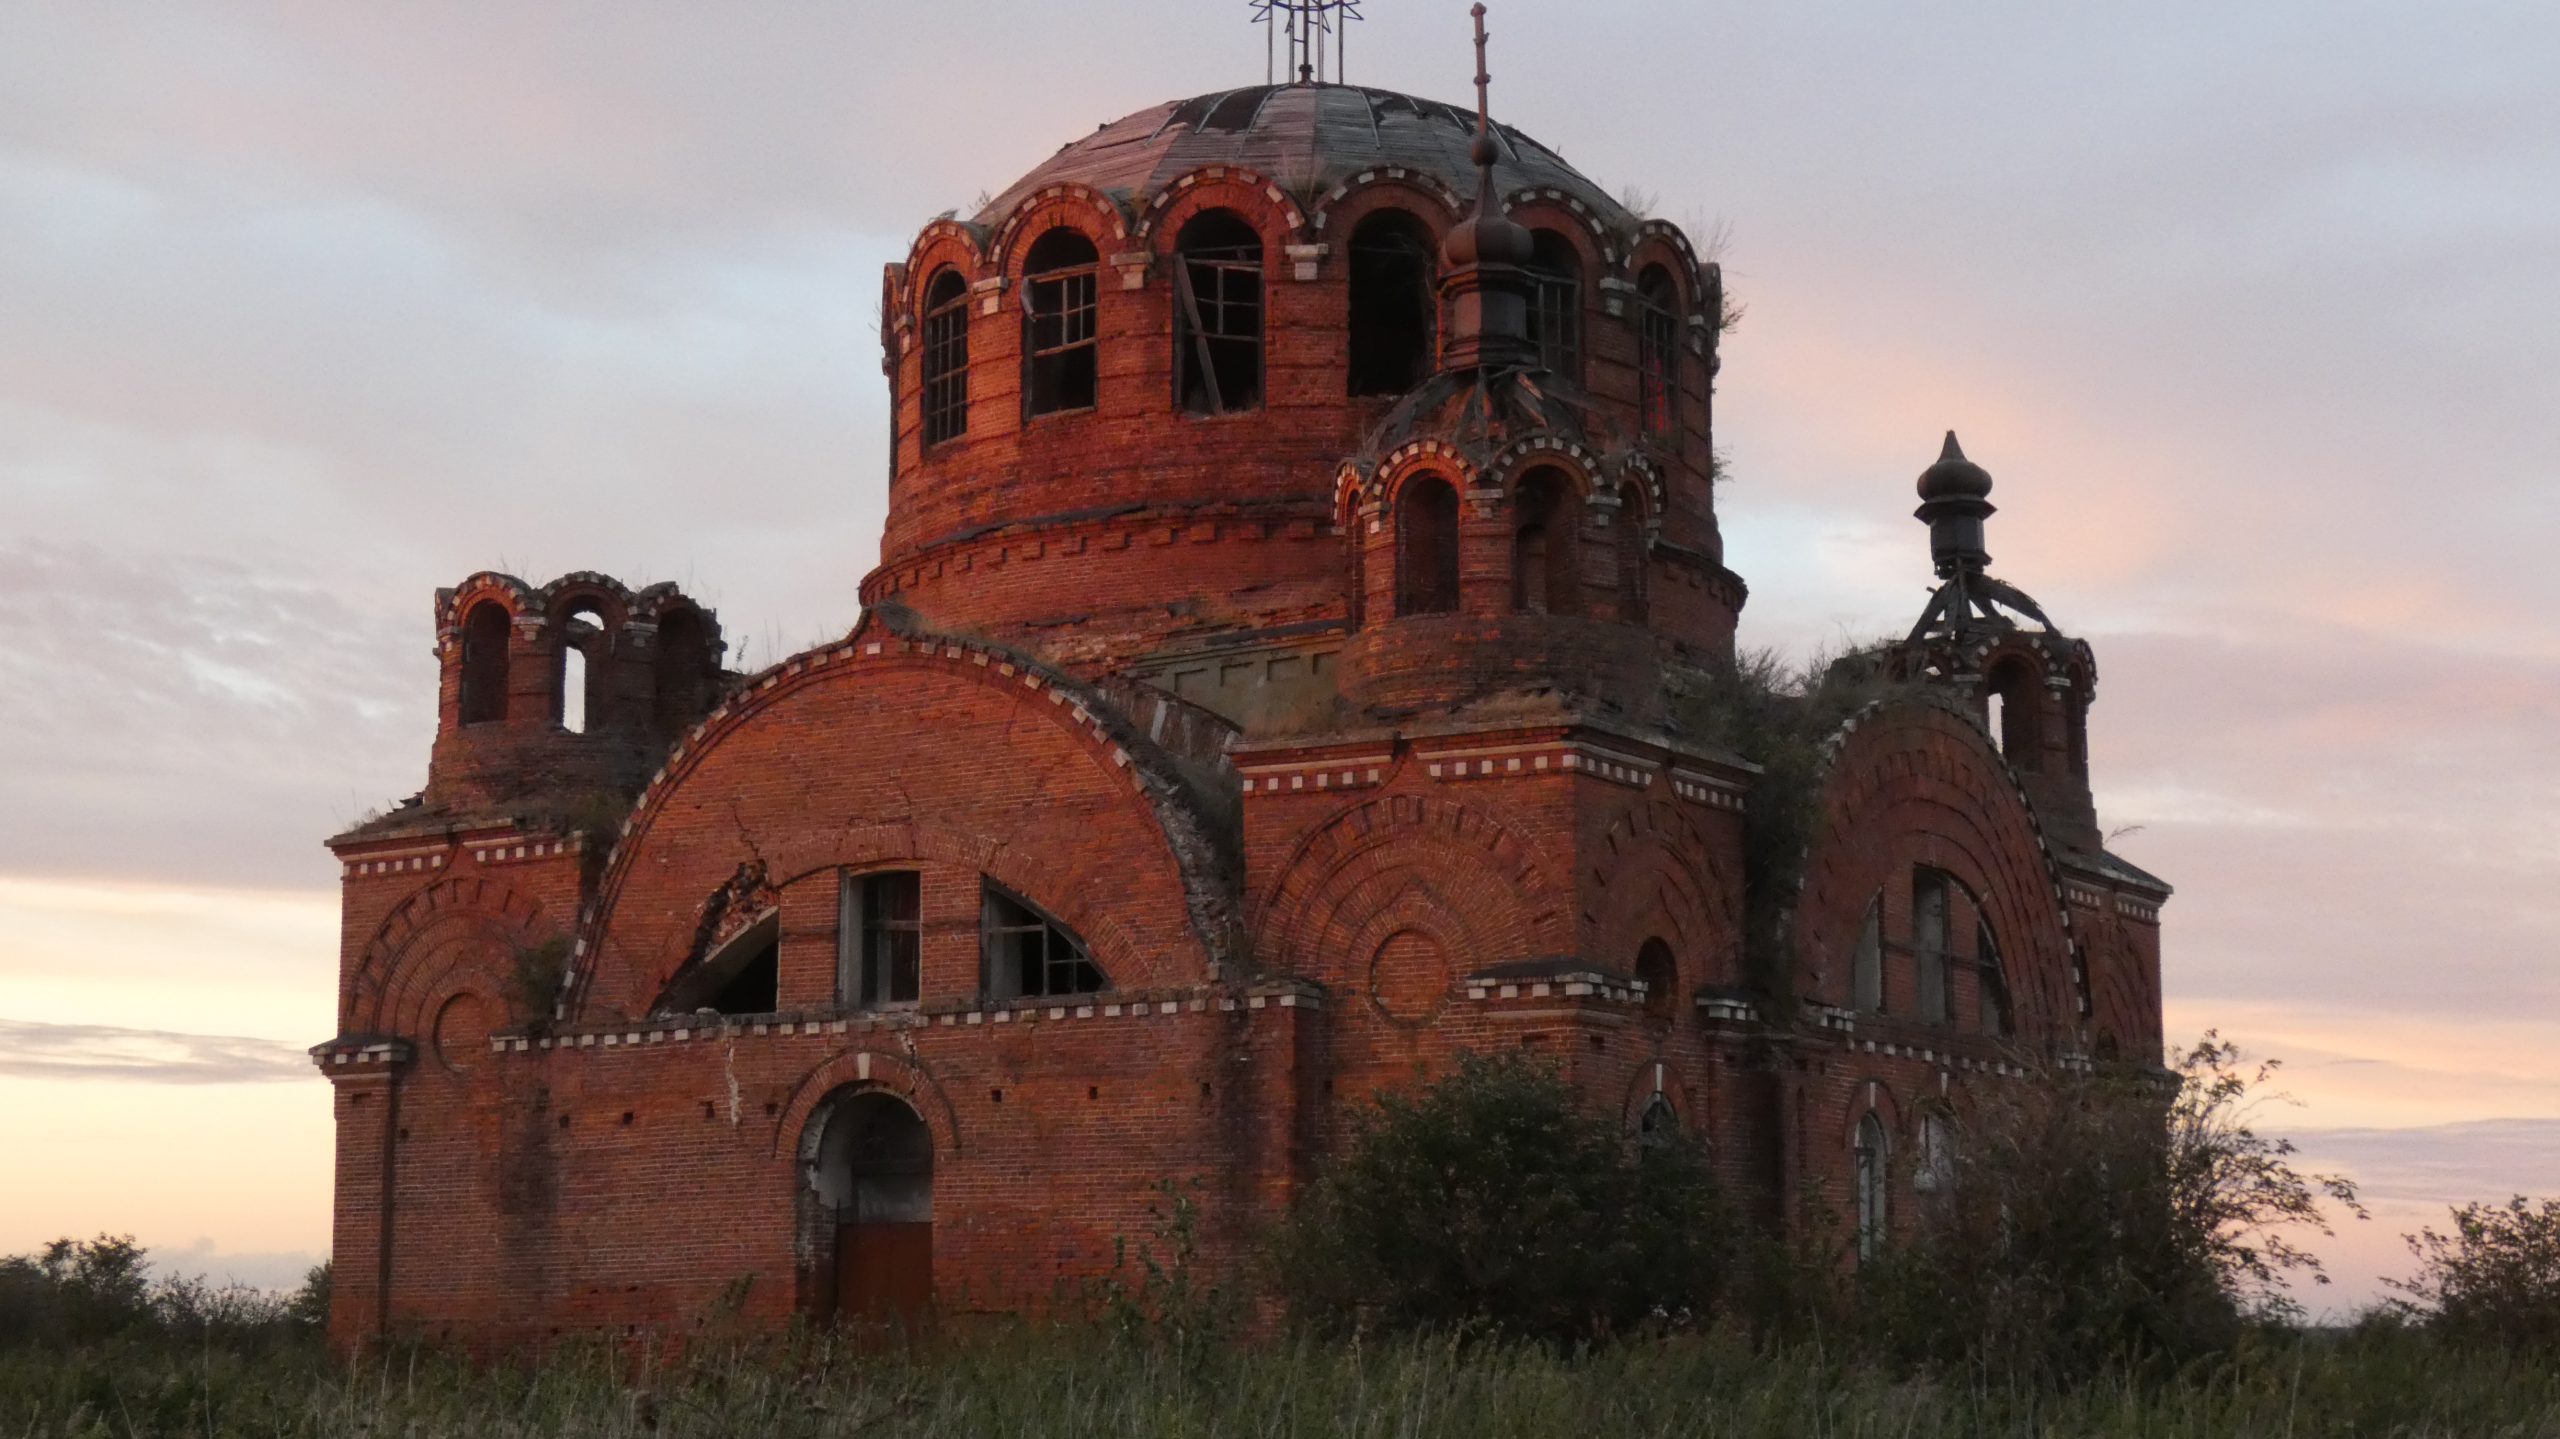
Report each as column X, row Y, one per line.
column 743, row 976
column 946, row 357
column 1062, row 361
column 1658, row 351
column 1992, row 980
column 1659, row 1123
column 1023, row 952
column 1661, row 977
column 684, row 669
column 485, row 632
column 584, row 645
column 1546, row 548
column 1866, row 962
column 1426, row 547
column 1555, row 310
column 1630, row 540
column 1217, row 314
column 2013, row 711
column 1933, row 1170
column 1932, row 968
column 880, row 940
column 1394, row 304
column 1870, row 1158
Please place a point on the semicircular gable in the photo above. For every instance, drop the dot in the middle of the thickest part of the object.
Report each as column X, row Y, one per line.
column 1915, row 782
column 892, row 746
column 1654, row 874
column 456, row 927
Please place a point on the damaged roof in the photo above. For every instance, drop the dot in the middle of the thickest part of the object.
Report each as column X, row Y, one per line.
column 1307, row 138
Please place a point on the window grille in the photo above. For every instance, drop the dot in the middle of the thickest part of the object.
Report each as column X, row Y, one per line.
column 946, row 358
column 1026, row 954
column 1658, row 353
column 1555, row 309
column 880, row 945
column 1217, row 282
column 1059, row 337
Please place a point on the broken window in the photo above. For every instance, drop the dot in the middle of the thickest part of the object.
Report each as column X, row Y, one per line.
column 485, row 633
column 2011, row 711
column 1661, row 978
column 1933, row 1171
column 1394, row 303
column 1991, row 979
column 1025, row 954
column 946, row 357
column 1929, row 959
column 1866, row 962
column 1061, row 278
column 1658, row 351
column 1555, row 308
column 1868, row 1158
column 1217, row 314
column 1659, row 1124
column 880, row 940
column 584, row 643
column 1546, row 548
column 1630, row 553
column 1426, row 547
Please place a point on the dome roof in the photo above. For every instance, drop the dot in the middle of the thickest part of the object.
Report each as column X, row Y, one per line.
column 1307, row 139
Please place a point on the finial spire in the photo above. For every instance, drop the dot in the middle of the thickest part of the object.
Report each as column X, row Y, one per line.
column 1483, row 259
column 1483, row 152
column 1955, row 498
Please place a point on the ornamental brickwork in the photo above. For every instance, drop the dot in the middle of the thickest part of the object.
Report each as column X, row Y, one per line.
column 1284, row 671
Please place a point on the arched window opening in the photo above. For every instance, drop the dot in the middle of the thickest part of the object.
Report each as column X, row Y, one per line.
column 486, row 631
column 1866, row 962
column 1869, row 1158
column 684, row 670
column 585, row 643
column 1061, row 277
column 1555, row 310
column 946, row 357
column 1546, row 548
column 1426, row 547
column 1659, row 1124
column 1658, row 351
column 880, row 940
column 1933, row 1169
column 1992, row 980
column 872, row 1173
column 2013, row 712
column 1931, row 965
column 1023, row 953
column 744, row 976
column 1217, row 314
column 1394, row 303
column 1629, row 546
column 1660, row 975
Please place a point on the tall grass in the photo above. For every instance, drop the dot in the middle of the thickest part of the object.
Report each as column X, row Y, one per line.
column 2386, row 1382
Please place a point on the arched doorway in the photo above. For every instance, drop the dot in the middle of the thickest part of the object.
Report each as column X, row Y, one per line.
column 873, row 1176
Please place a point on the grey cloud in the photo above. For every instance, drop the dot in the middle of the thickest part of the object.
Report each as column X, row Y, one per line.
column 2486, row 1160
column 32, row 1050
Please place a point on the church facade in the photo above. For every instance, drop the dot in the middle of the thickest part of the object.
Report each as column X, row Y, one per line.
column 1291, row 662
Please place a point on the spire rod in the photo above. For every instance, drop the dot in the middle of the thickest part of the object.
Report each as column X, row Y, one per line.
column 1483, row 152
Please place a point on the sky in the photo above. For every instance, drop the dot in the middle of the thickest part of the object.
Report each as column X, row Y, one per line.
column 307, row 309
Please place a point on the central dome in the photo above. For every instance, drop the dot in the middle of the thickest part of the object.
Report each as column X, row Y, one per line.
column 1307, row 139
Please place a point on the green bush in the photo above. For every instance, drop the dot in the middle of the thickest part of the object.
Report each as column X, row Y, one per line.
column 1493, row 1201
column 2495, row 1280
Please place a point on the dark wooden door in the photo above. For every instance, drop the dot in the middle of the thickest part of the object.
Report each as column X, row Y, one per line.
column 884, row 1272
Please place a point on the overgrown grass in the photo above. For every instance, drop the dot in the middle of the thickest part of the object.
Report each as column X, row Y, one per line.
column 2383, row 1382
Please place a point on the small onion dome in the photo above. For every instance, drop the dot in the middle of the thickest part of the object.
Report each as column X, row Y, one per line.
column 1954, row 477
column 1488, row 239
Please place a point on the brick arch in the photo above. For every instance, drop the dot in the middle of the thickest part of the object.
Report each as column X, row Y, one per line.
column 940, row 244
column 454, row 925
column 1659, row 242
column 1225, row 187
column 591, row 587
column 1654, row 873
column 1551, row 209
column 1037, row 730
column 1480, row 889
column 1077, row 207
column 1421, row 457
column 888, row 1071
column 1522, row 457
column 518, row 597
column 1687, row 1099
column 1915, row 781
column 1372, row 190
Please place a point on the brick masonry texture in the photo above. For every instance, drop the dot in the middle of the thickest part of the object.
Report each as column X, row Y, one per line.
column 1163, row 680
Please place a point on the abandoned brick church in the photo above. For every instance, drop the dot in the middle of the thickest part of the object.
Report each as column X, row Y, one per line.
column 1294, row 658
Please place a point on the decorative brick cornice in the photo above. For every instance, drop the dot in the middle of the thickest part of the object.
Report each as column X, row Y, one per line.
column 362, row 1054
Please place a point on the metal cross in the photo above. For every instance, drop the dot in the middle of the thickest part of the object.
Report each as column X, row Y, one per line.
column 1304, row 24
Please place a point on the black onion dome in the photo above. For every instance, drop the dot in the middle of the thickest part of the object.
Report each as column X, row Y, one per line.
column 1954, row 477
column 1306, row 139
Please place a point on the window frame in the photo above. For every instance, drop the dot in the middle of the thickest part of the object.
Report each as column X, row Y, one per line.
column 1076, row 287
column 1658, row 354
column 1555, row 305
column 1385, row 242
column 1195, row 340
column 943, row 394
column 1933, row 966
column 1075, row 963
column 1870, row 1179
column 871, row 958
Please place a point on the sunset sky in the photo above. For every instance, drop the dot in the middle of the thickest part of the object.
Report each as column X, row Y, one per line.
column 2253, row 311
